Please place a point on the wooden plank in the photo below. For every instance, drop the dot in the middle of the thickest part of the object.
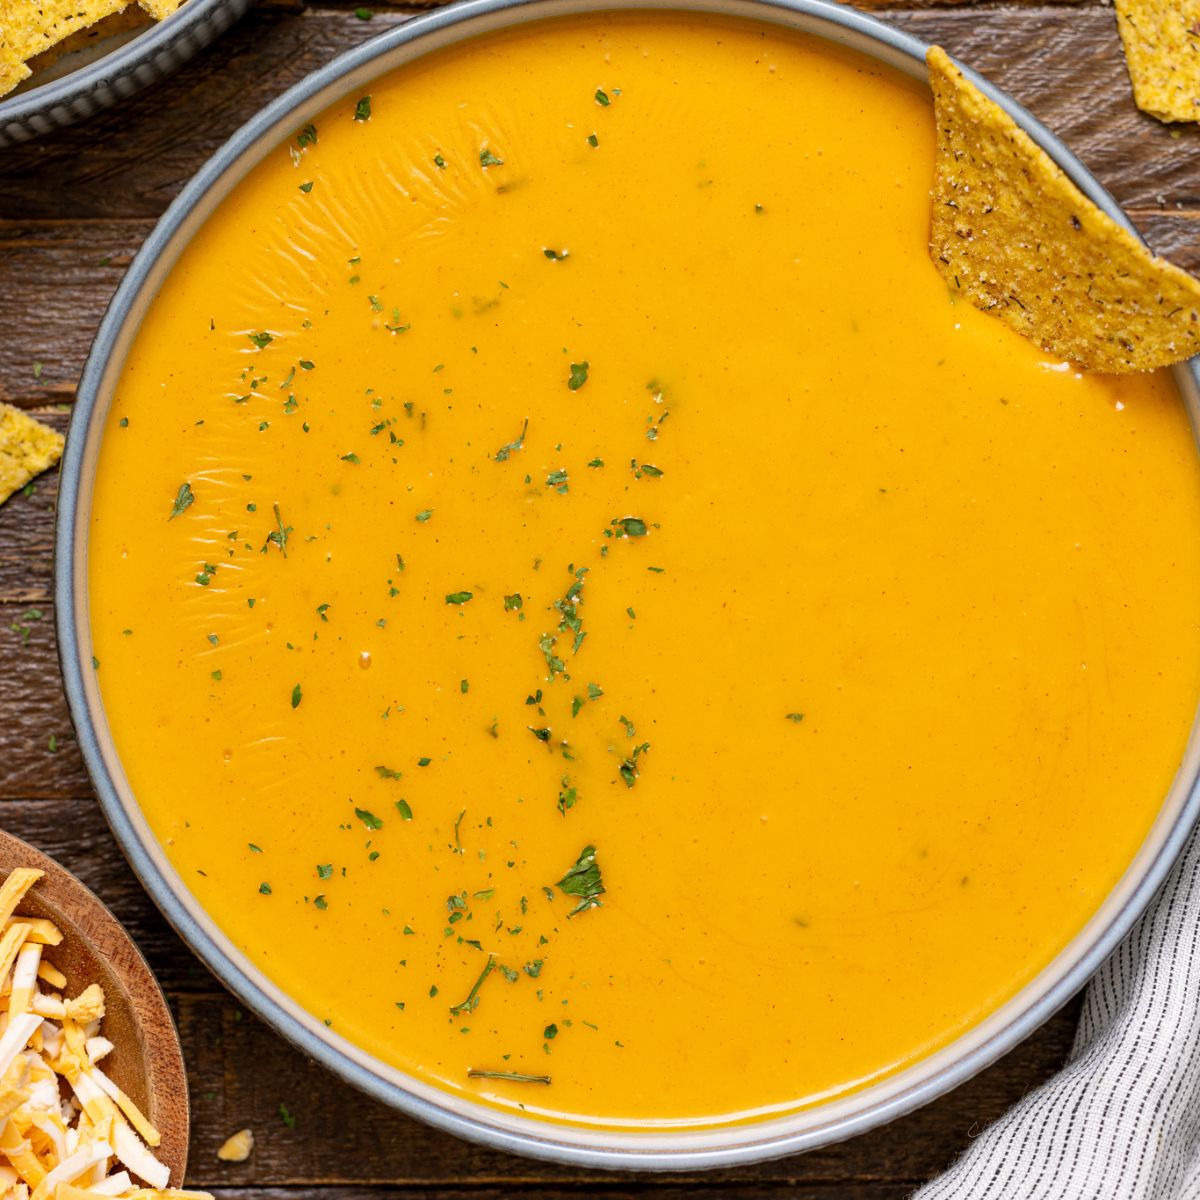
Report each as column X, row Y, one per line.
column 1064, row 62
column 340, row 1138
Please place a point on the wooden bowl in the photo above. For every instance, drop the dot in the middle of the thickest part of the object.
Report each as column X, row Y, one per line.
column 147, row 1062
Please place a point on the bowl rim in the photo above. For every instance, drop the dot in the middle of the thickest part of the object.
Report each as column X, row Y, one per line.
column 647, row 1150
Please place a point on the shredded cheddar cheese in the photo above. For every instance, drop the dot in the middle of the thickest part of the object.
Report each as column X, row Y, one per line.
column 97, row 1142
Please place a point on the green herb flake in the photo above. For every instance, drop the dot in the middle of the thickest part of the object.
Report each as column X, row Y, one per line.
column 488, row 159
column 510, row 1076
column 297, row 696
column 472, row 1000
column 502, row 455
column 306, row 187
column 631, row 526
column 579, row 375
column 405, row 811
column 369, row 819
column 795, row 717
column 593, row 140
column 261, row 340
column 458, row 597
column 583, row 881
column 325, row 870
column 439, row 162
column 362, row 110
column 264, row 889
column 184, row 500
column 602, row 98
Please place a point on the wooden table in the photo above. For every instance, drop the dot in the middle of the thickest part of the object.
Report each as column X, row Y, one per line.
column 74, row 208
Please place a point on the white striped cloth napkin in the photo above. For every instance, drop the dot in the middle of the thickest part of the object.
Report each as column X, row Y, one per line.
column 1122, row 1118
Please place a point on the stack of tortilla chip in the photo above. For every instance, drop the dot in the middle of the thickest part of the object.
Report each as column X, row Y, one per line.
column 30, row 29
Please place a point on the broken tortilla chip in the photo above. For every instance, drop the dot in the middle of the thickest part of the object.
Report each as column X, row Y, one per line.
column 27, row 448
column 1162, row 52
column 159, row 9
column 31, row 26
column 1012, row 233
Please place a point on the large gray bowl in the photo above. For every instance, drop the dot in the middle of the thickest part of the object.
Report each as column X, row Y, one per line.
column 644, row 1150
column 85, row 81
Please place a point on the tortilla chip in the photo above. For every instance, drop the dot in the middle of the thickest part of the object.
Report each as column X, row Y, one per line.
column 27, row 448
column 32, row 26
column 160, row 8
column 12, row 69
column 1012, row 233
column 1162, row 52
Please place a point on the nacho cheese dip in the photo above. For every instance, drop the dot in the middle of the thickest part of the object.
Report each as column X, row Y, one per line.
column 578, row 602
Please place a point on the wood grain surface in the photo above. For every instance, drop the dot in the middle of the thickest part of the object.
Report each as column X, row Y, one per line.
column 74, row 208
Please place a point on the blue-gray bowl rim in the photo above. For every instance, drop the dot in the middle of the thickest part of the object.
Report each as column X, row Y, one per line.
column 646, row 1149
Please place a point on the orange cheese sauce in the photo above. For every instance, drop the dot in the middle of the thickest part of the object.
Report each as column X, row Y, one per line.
column 858, row 639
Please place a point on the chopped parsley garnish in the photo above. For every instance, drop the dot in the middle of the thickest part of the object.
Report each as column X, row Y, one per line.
column 602, row 98
column 278, row 535
column 593, row 140
column 488, row 159
column 306, row 187
column 388, row 773
column 261, row 340
column 362, row 110
column 402, row 807
column 630, row 526
column 458, row 597
column 439, row 162
column 579, row 375
column 513, row 602
column 368, row 818
column 795, row 717
column 583, row 881
column 558, row 481
column 424, row 515
column 556, row 255
column 567, row 796
column 307, row 136
column 297, row 696
column 325, row 870
column 511, row 1076
column 629, row 769
column 183, row 501
column 264, row 889
column 504, row 451
column 472, row 1000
